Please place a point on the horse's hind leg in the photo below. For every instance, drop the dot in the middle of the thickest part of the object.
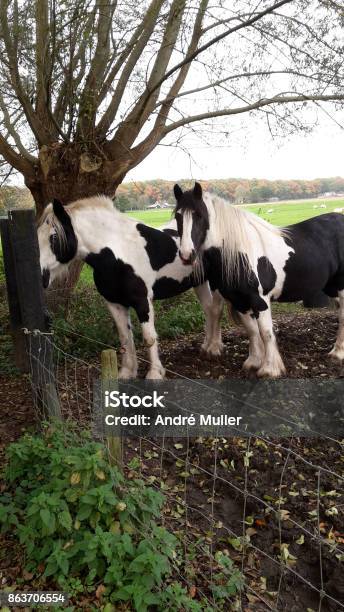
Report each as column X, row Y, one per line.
column 338, row 349
column 156, row 370
column 256, row 347
column 129, row 360
column 273, row 365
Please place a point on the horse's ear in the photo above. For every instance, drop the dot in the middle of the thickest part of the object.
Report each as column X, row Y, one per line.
column 198, row 191
column 178, row 192
column 60, row 212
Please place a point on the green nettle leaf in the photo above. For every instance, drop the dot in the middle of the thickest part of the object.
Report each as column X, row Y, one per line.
column 51, row 568
column 45, row 515
column 84, row 512
column 63, row 563
column 65, row 520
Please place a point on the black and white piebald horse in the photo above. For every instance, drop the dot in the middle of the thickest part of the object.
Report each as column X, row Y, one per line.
column 133, row 264
column 251, row 262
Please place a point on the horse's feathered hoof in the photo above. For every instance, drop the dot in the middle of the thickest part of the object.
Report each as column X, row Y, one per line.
column 127, row 374
column 251, row 364
column 156, row 374
column 212, row 350
column 337, row 354
column 268, row 371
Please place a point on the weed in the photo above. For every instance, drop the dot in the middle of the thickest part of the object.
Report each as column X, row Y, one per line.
column 83, row 524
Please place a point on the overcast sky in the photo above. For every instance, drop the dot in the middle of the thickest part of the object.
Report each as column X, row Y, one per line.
column 319, row 154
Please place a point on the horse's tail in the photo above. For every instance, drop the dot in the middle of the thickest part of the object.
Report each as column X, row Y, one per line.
column 233, row 314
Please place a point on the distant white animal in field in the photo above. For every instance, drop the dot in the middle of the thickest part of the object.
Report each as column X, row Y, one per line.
column 270, row 210
column 340, row 210
column 322, row 206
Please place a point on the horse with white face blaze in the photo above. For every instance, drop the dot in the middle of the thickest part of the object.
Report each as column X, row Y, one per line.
column 133, row 264
column 251, row 262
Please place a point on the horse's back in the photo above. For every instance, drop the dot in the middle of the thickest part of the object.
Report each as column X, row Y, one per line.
column 322, row 226
column 322, row 237
column 316, row 262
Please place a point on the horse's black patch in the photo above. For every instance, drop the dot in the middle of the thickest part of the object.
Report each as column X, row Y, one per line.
column 161, row 248
column 63, row 249
column 318, row 261
column 169, row 287
column 266, row 274
column 318, row 300
column 171, row 232
column 117, row 282
column 242, row 292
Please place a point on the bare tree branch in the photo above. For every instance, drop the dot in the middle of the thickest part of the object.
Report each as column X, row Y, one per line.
column 14, row 159
column 94, row 78
column 14, row 134
column 41, row 133
column 144, row 34
column 213, row 41
column 280, row 99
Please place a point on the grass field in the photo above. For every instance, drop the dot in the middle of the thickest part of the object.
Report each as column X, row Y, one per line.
column 284, row 213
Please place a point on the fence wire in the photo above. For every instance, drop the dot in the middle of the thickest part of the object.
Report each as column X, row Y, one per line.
column 275, row 506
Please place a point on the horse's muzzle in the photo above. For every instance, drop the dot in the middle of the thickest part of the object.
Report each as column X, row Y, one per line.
column 188, row 261
column 45, row 278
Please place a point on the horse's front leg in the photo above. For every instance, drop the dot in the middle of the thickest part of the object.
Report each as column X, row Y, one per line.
column 129, row 360
column 272, row 366
column 150, row 337
column 212, row 304
column 256, row 353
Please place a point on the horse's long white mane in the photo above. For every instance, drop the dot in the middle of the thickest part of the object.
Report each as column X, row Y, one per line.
column 237, row 231
column 93, row 202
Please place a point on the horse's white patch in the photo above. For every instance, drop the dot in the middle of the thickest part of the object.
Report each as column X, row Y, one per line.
column 186, row 244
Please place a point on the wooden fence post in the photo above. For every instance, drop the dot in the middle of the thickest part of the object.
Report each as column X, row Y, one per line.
column 109, row 375
column 19, row 343
column 25, row 249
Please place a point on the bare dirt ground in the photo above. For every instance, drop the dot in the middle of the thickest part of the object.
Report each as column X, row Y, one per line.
column 304, row 340
column 287, row 505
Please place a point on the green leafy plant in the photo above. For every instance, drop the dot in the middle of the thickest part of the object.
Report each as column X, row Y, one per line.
column 83, row 524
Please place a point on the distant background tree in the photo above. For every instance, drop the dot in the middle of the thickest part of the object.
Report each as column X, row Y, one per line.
column 239, row 191
column 88, row 88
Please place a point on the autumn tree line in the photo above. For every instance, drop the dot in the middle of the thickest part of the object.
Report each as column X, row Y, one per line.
column 140, row 195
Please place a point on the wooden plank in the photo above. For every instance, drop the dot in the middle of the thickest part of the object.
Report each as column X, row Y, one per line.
column 109, row 375
column 24, row 242
column 16, row 322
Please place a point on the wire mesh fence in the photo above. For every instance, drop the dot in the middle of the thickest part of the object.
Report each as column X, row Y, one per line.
column 272, row 505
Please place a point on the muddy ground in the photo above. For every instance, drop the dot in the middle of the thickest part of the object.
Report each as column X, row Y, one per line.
column 264, row 501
